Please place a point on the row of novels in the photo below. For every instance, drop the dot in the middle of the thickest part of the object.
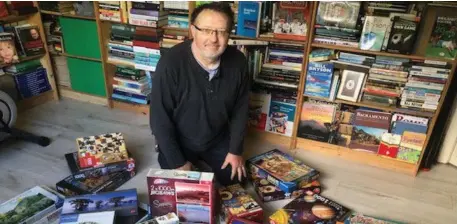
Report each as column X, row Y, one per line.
column 100, row 163
column 135, row 46
column 132, row 85
column 20, row 41
column 395, row 135
column 30, row 77
column 380, row 80
column 386, row 26
column 178, row 13
column 272, row 64
column 282, row 20
column 141, row 13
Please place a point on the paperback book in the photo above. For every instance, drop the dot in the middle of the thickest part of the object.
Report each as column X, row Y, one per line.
column 316, row 121
column 319, row 79
column 369, row 126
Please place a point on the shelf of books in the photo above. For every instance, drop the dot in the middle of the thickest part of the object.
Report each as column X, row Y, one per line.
column 368, row 93
column 24, row 56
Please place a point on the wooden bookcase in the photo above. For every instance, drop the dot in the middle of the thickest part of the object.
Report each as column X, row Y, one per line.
column 357, row 156
column 294, row 142
column 45, row 59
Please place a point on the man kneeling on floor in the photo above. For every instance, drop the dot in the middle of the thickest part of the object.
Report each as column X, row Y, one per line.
column 199, row 99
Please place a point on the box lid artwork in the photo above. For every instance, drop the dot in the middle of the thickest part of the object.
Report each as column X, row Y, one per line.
column 236, row 202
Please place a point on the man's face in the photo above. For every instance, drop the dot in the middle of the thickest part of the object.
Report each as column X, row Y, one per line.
column 34, row 34
column 210, row 44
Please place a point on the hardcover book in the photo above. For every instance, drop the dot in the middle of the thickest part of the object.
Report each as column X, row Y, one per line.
column 281, row 118
column 282, row 170
column 442, row 41
column 290, row 21
column 249, row 19
column 402, row 36
column 351, row 85
column 30, row 40
column 389, row 145
column 316, row 121
column 373, row 32
column 236, row 202
column 189, row 194
column 319, row 79
column 8, row 53
column 259, row 107
column 369, row 126
column 342, row 14
column 311, row 209
column 101, row 149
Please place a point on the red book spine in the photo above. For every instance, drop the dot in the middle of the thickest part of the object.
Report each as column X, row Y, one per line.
column 146, row 44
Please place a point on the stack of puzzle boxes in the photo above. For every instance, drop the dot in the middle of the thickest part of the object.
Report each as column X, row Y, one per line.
column 100, row 164
column 277, row 175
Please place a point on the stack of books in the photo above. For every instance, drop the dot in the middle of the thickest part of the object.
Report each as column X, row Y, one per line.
column 424, row 86
column 330, row 30
column 30, row 77
column 101, row 163
column 57, row 6
column 178, row 13
column 54, row 36
column 385, row 81
column 146, row 48
column 113, row 11
column 148, row 14
column 131, row 85
column 282, row 66
column 121, row 44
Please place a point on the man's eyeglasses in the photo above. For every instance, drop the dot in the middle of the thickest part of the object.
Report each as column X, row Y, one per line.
column 221, row 33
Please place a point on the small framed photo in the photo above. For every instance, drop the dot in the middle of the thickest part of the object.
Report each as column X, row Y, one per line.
column 351, row 84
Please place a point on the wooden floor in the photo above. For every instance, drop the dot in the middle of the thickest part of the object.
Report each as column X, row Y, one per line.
column 431, row 197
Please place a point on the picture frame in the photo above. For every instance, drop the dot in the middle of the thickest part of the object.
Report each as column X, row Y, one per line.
column 351, row 84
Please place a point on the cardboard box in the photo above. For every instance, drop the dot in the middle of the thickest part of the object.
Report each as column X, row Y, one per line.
column 101, row 149
column 308, row 209
column 269, row 192
column 282, row 170
column 189, row 194
column 236, row 202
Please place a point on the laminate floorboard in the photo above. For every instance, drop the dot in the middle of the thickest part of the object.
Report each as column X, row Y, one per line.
column 431, row 197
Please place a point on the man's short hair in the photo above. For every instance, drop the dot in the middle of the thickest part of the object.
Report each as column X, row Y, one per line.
column 220, row 7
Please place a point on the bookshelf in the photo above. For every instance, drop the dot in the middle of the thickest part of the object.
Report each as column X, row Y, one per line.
column 358, row 156
column 66, row 15
column 52, row 94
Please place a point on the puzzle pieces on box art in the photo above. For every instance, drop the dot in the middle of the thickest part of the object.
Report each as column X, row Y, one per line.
column 101, row 149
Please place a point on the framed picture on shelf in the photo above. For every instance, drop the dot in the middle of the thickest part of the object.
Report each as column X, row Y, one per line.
column 351, row 85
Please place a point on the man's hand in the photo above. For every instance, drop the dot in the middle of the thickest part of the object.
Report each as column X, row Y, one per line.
column 187, row 166
column 236, row 162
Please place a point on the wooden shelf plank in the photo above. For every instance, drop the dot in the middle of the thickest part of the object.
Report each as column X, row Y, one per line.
column 84, row 97
column 138, row 108
column 380, row 53
column 272, row 138
column 29, row 58
column 31, row 102
column 357, row 156
column 380, row 107
column 121, row 63
column 271, row 39
column 66, row 15
column 75, row 56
